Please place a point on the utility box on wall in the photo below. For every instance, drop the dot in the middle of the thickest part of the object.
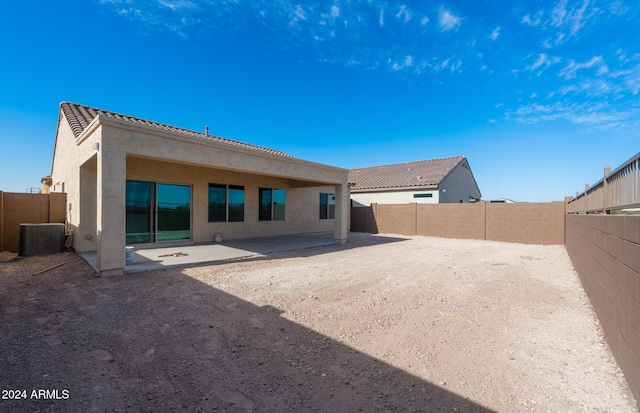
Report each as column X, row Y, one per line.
column 41, row 239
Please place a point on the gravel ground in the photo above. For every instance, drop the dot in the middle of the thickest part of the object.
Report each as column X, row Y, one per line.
column 383, row 323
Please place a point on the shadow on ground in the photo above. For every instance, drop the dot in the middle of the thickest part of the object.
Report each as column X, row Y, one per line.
column 162, row 341
column 356, row 241
column 163, row 257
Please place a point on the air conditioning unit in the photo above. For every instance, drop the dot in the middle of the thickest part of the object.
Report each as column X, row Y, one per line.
column 41, row 239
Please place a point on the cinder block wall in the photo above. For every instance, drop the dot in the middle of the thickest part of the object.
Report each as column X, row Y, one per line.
column 452, row 220
column 605, row 252
column 17, row 208
column 396, row 219
column 363, row 220
column 526, row 223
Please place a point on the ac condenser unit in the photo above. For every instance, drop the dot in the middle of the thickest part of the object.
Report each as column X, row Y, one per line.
column 41, row 239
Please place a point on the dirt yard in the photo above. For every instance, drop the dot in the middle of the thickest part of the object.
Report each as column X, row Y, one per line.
column 381, row 324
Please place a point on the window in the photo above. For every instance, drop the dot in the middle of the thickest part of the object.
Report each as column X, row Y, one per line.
column 327, row 206
column 226, row 203
column 217, row 203
column 272, row 204
column 423, row 195
column 236, row 203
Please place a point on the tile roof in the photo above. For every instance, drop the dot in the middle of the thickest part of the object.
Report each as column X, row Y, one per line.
column 80, row 116
column 401, row 175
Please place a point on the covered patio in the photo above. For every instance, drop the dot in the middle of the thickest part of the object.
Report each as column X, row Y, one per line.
column 131, row 181
column 154, row 259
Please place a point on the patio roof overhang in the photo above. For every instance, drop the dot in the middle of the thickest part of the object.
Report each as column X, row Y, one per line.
column 142, row 141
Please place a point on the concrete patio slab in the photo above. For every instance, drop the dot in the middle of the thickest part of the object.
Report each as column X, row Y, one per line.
column 152, row 259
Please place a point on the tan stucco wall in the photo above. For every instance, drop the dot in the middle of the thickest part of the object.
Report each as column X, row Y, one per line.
column 394, row 197
column 86, row 232
column 65, row 177
column 301, row 211
column 143, row 141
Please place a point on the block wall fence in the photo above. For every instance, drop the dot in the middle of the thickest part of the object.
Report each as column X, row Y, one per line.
column 18, row 208
column 526, row 223
column 605, row 252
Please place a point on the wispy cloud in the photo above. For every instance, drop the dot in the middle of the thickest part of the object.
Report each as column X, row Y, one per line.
column 335, row 11
column 406, row 63
column 559, row 13
column 604, row 101
column 632, row 81
column 595, row 116
column 543, row 61
column 357, row 33
column 541, row 50
column 297, row 14
column 495, row 33
column 403, row 14
column 596, row 92
column 447, row 19
column 565, row 20
column 177, row 4
column 570, row 71
column 530, row 20
column 449, row 65
column 618, row 8
column 578, row 18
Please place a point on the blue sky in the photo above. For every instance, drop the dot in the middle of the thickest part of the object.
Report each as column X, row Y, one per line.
column 538, row 95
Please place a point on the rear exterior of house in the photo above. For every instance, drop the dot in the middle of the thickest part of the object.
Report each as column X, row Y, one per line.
column 434, row 181
column 134, row 182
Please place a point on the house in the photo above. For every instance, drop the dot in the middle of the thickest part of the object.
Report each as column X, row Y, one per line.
column 502, row 201
column 433, row 181
column 135, row 182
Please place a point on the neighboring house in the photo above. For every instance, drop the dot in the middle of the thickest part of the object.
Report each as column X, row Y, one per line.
column 134, row 182
column 434, row 181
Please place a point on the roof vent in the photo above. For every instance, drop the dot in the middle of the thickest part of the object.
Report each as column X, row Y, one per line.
column 206, row 130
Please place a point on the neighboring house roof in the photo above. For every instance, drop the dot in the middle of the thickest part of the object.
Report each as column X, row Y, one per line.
column 402, row 175
column 80, row 116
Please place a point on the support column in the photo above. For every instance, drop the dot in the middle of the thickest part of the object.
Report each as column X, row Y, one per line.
column 83, row 216
column 110, row 198
column 342, row 213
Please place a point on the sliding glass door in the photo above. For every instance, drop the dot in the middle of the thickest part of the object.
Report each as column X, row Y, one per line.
column 174, row 212
column 140, row 217
column 157, row 212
